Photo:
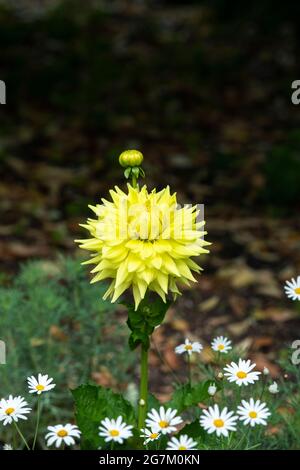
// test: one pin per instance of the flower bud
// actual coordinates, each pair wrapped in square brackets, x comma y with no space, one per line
[273,388]
[266,371]
[220,375]
[133,158]
[142,402]
[212,390]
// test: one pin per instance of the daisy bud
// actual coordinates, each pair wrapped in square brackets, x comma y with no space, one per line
[142,402]
[266,371]
[273,388]
[131,158]
[220,375]
[212,390]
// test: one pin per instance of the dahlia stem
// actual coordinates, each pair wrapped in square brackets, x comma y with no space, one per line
[133,180]
[143,388]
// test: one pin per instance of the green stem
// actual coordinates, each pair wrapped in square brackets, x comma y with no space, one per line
[189,369]
[143,388]
[133,180]
[263,389]
[39,407]
[21,435]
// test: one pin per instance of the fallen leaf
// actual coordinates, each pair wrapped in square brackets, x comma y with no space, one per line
[240,328]
[35,342]
[209,304]
[57,333]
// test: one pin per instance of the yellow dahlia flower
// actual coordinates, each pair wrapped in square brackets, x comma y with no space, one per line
[144,240]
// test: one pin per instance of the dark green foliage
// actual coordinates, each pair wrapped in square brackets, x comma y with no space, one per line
[94,404]
[142,322]
[186,396]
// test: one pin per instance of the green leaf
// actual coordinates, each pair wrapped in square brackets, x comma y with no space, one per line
[92,404]
[136,171]
[142,321]
[127,172]
[186,396]
[193,430]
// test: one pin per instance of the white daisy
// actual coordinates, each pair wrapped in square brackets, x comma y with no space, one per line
[253,412]
[220,422]
[149,435]
[273,388]
[7,447]
[40,385]
[241,373]
[189,347]
[183,443]
[62,434]
[115,430]
[292,288]
[164,421]
[13,409]
[221,344]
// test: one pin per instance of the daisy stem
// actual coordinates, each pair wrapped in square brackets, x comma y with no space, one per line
[190,370]
[143,388]
[39,407]
[263,388]
[21,435]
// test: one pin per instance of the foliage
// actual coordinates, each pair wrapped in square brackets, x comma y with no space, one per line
[94,404]
[142,321]
[52,321]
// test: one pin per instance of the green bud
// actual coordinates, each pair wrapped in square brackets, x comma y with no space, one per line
[131,158]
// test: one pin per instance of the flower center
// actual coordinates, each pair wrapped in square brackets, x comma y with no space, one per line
[221,347]
[163,424]
[297,290]
[114,433]
[219,423]
[9,411]
[188,347]
[253,414]
[182,448]
[241,374]
[154,435]
[40,388]
[62,433]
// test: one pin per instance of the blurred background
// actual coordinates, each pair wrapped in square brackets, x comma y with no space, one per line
[204,91]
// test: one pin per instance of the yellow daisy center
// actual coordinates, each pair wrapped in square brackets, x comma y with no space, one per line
[62,433]
[188,347]
[40,388]
[221,347]
[9,411]
[253,414]
[182,448]
[219,423]
[241,374]
[297,290]
[163,424]
[154,435]
[114,433]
